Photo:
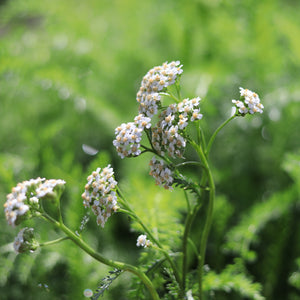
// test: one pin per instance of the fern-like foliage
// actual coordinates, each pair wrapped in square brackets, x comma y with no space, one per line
[241,237]
[187,185]
[105,283]
[232,279]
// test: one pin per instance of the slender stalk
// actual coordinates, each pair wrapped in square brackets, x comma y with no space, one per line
[187,163]
[189,220]
[216,132]
[201,137]
[119,265]
[209,215]
[54,241]
[187,201]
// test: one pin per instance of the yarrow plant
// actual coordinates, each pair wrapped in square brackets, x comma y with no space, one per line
[162,129]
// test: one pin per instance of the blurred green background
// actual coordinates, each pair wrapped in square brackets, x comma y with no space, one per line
[69,73]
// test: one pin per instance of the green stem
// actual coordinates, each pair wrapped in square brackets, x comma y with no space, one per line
[187,201]
[201,137]
[209,215]
[189,220]
[54,241]
[115,264]
[188,163]
[166,254]
[216,132]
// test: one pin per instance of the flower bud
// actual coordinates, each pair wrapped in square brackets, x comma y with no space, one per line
[25,241]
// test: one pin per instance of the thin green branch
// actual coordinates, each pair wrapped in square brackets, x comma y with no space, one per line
[187,201]
[189,163]
[216,132]
[209,215]
[189,220]
[49,243]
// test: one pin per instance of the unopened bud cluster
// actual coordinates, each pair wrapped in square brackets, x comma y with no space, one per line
[100,194]
[25,241]
[24,199]
[161,173]
[249,102]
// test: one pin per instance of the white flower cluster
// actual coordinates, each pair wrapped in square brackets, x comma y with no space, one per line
[100,194]
[161,173]
[142,241]
[25,241]
[249,102]
[167,136]
[154,82]
[25,197]
[128,136]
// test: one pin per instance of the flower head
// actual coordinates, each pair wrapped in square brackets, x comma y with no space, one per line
[100,194]
[249,102]
[142,241]
[161,173]
[25,241]
[24,198]
[129,136]
[168,135]
[155,81]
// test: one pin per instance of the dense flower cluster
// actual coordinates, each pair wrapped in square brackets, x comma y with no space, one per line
[161,173]
[25,197]
[154,82]
[167,136]
[128,136]
[249,102]
[142,241]
[25,241]
[100,194]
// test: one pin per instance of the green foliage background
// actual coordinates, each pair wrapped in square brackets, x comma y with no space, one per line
[69,72]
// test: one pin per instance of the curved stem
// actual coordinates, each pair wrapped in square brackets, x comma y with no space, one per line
[119,265]
[216,132]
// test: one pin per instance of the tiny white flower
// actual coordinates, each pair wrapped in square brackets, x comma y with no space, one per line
[142,241]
